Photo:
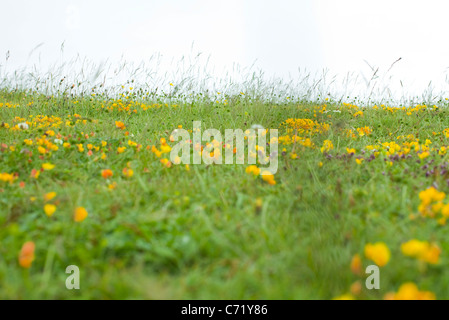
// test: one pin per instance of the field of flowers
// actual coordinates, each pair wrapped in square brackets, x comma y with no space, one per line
[88,181]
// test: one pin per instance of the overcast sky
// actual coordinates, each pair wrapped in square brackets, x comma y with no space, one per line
[281,36]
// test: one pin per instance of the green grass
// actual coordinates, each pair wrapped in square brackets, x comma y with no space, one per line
[215,232]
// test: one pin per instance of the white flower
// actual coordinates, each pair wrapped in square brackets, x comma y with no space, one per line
[59,141]
[23,126]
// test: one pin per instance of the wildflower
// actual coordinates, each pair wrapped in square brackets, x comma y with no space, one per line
[49,196]
[167,163]
[128,173]
[35,173]
[356,288]
[41,150]
[378,253]
[352,150]
[49,209]
[177,160]
[424,155]
[106,173]
[327,146]
[359,160]
[252,169]
[356,264]
[364,130]
[268,177]
[48,166]
[7,177]
[112,186]
[80,214]
[430,195]
[26,256]
[23,126]
[409,291]
[120,125]
[421,250]
[346,296]
[121,149]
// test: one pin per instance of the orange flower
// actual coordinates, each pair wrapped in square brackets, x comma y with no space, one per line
[26,256]
[120,125]
[268,177]
[356,264]
[35,173]
[49,196]
[80,214]
[106,173]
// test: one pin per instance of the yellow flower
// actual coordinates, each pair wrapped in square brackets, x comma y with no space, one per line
[112,186]
[431,195]
[121,149]
[48,166]
[49,209]
[378,253]
[409,291]
[421,250]
[414,248]
[359,161]
[7,177]
[128,173]
[252,169]
[80,214]
[424,155]
[327,146]
[346,296]
[352,150]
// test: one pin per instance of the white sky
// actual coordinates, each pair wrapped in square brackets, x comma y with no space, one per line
[281,35]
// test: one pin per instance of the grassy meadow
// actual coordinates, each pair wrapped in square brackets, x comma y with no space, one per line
[87,181]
